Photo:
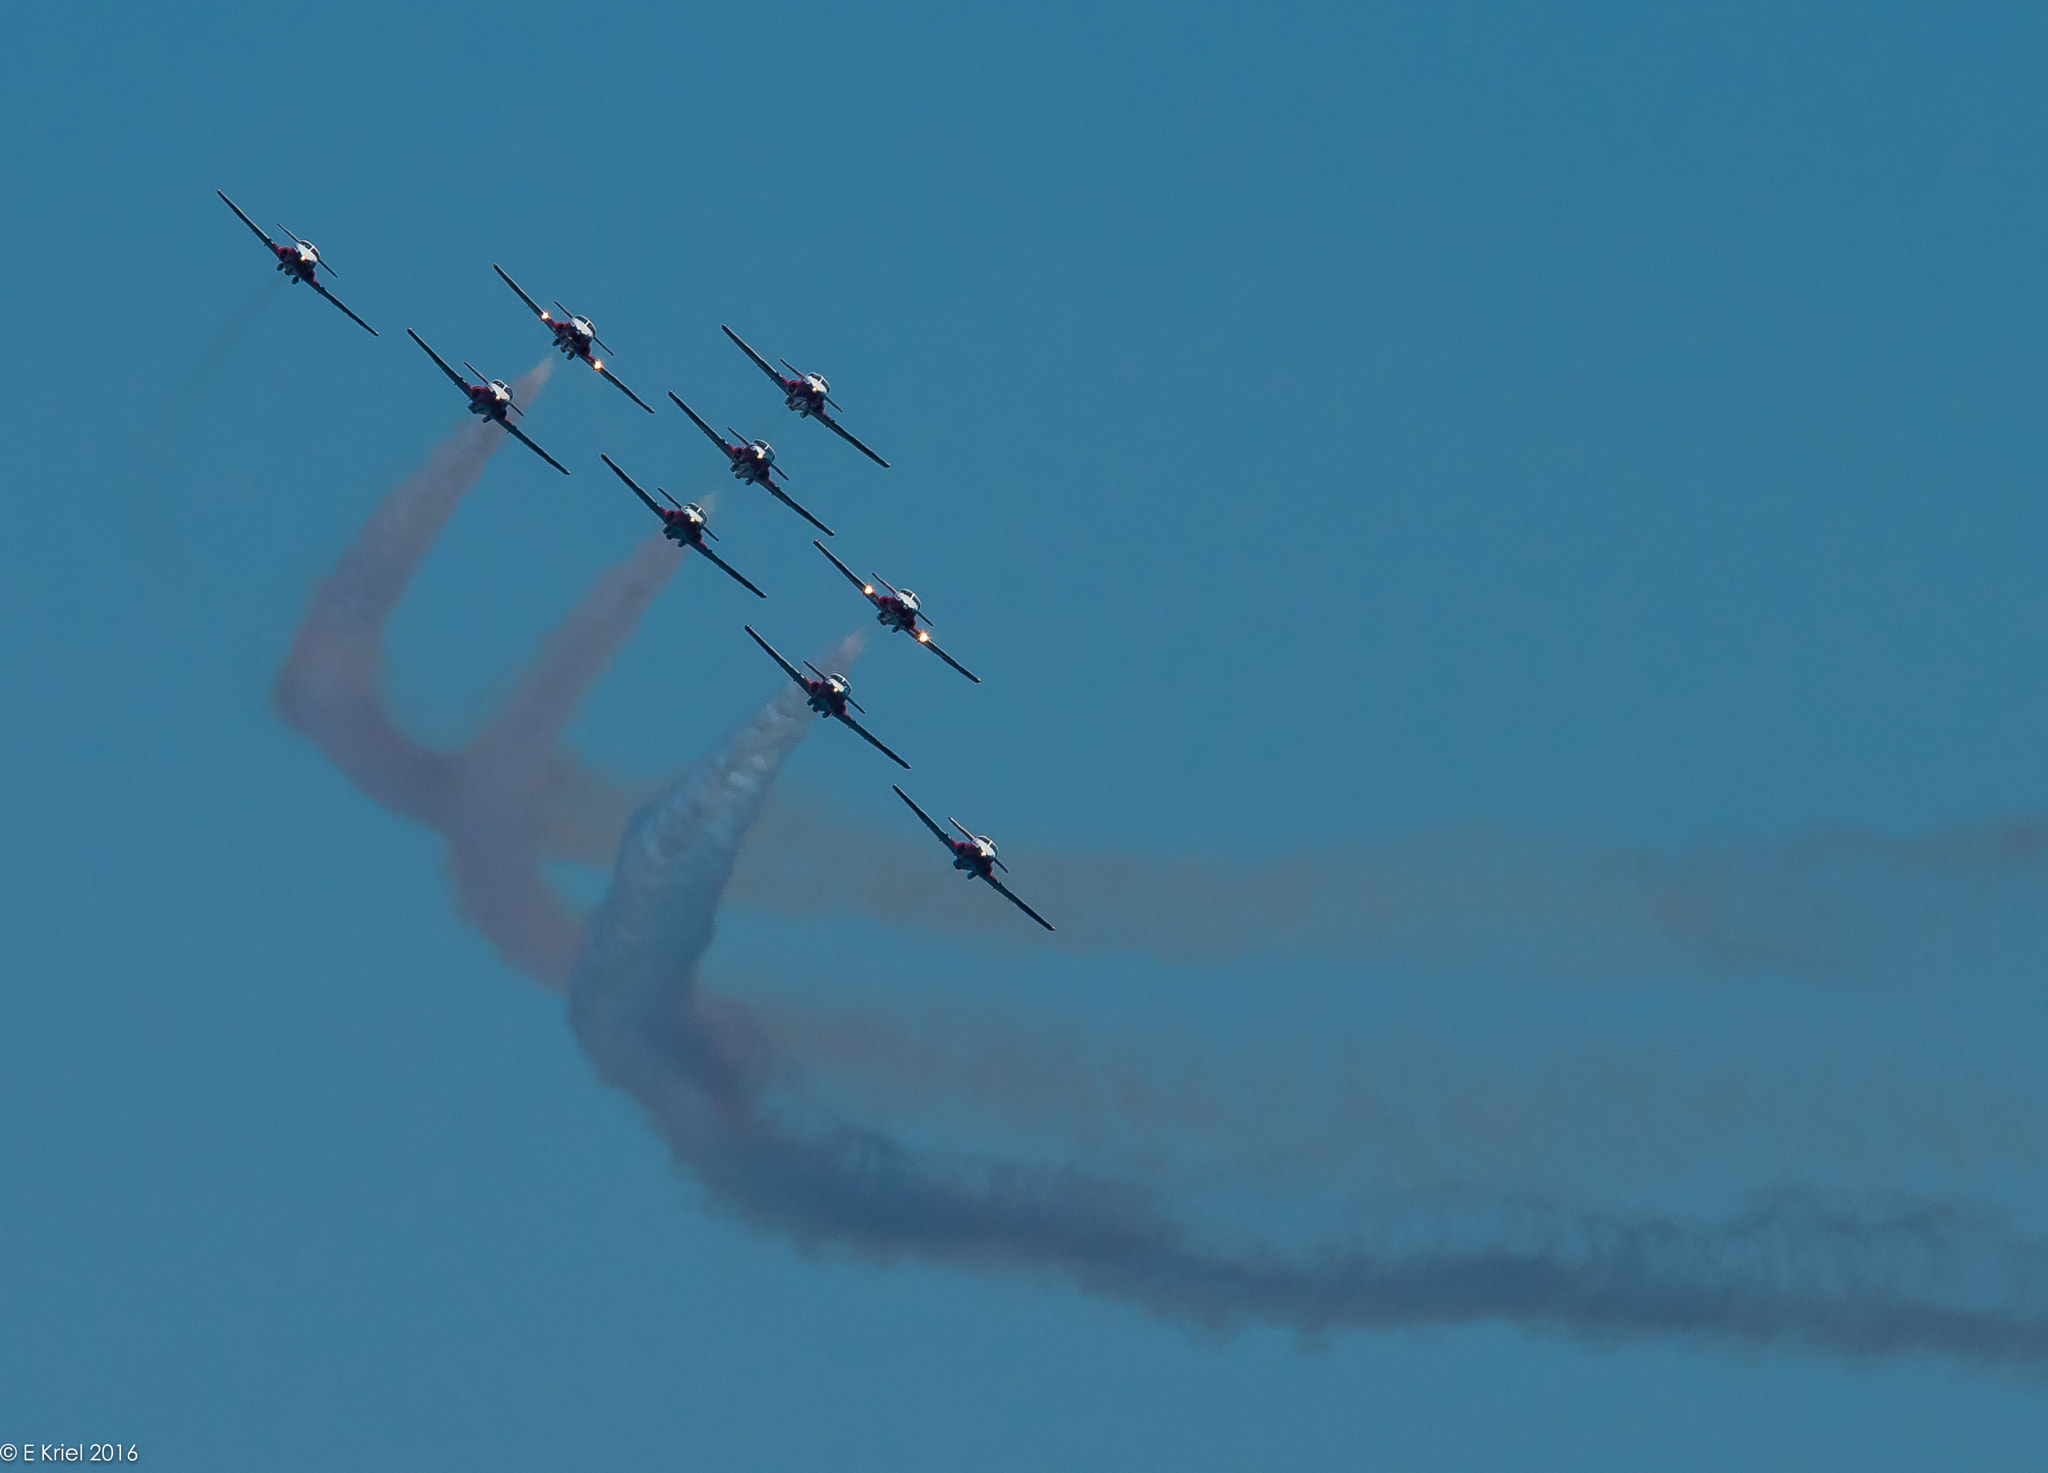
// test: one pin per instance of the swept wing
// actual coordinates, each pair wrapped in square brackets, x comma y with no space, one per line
[530,302]
[709,433]
[876,744]
[774,655]
[344,307]
[1010,895]
[759,362]
[851,576]
[652,504]
[940,834]
[782,496]
[247,221]
[514,429]
[926,640]
[840,430]
[453,377]
[731,571]
[606,373]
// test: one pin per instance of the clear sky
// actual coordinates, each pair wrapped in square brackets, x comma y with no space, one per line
[1561,488]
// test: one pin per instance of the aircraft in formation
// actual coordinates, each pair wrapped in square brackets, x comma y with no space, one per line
[976,855]
[492,398]
[574,336]
[300,261]
[898,609]
[687,525]
[752,461]
[828,695]
[807,394]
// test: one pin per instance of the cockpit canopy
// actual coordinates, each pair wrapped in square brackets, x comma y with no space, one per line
[818,383]
[909,599]
[767,450]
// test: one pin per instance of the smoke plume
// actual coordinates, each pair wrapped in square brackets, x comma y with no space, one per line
[1854,1277]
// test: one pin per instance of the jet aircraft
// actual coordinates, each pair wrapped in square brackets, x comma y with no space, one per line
[751,461]
[574,336]
[299,261]
[807,394]
[976,856]
[686,526]
[492,398]
[828,695]
[899,609]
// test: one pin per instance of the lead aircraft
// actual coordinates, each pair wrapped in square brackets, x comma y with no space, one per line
[492,398]
[686,526]
[807,394]
[975,854]
[828,695]
[574,336]
[298,261]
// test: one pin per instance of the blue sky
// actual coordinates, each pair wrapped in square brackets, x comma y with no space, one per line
[1340,433]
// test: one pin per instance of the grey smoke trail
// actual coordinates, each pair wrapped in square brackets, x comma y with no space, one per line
[1910,1276]
[1823,906]
[330,687]
[1337,1116]
[512,780]
[498,799]
[1852,1279]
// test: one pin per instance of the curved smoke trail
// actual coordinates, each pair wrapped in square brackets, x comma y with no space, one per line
[1910,1276]
[501,799]
[1847,1278]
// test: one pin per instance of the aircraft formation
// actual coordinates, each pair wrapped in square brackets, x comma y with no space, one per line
[752,462]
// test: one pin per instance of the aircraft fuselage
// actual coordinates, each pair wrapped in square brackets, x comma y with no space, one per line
[825,700]
[804,397]
[571,339]
[295,263]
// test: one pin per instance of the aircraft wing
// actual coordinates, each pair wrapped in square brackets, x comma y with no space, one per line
[715,438]
[1011,896]
[344,307]
[782,496]
[731,571]
[777,658]
[759,362]
[873,741]
[926,640]
[850,576]
[453,377]
[607,373]
[651,503]
[522,295]
[840,430]
[247,221]
[937,832]
[513,429]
